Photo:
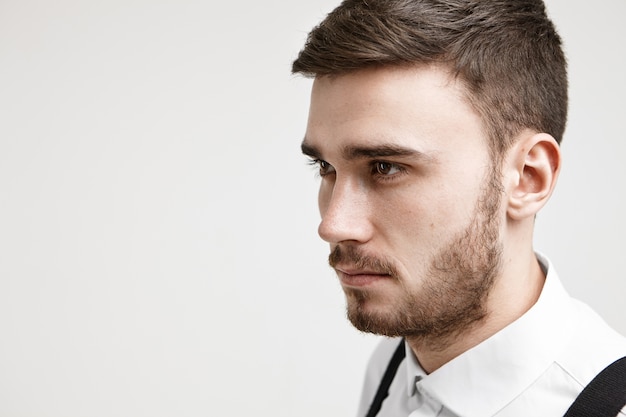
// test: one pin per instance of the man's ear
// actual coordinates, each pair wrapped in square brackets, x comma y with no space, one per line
[535,162]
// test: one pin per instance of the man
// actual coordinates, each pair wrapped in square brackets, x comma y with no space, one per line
[435,126]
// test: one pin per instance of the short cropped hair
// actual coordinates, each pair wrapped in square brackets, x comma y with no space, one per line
[507,54]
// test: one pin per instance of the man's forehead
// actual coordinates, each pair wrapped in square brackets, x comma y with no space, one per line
[441,74]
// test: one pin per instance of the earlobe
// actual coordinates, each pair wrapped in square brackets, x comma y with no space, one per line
[536,160]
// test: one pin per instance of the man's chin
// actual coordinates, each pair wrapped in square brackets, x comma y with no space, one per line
[368,316]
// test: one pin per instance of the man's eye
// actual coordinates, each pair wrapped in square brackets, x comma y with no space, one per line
[386,168]
[324,167]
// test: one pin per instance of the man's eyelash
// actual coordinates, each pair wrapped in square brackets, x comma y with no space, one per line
[375,167]
[318,165]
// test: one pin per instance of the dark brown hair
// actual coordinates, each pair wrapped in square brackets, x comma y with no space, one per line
[507,53]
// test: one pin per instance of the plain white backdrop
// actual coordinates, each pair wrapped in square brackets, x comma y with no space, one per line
[158,247]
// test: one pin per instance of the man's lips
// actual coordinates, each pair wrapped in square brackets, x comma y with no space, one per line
[359,278]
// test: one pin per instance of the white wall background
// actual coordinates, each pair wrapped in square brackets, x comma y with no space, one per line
[158,252]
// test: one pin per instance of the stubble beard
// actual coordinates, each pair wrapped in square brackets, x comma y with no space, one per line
[452,295]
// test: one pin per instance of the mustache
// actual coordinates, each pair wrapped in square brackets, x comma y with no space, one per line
[352,256]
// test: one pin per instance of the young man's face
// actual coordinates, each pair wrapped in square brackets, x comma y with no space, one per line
[409,198]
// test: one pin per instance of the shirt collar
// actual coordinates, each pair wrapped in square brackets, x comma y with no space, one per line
[414,373]
[486,378]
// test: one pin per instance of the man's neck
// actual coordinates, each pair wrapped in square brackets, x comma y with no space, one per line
[515,291]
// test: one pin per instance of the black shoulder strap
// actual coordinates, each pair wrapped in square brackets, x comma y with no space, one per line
[605,395]
[390,373]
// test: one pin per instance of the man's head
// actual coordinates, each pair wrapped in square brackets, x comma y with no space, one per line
[432,124]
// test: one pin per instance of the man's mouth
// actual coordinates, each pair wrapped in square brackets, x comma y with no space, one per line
[352,277]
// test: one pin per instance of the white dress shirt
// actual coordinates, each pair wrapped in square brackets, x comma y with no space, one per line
[535,367]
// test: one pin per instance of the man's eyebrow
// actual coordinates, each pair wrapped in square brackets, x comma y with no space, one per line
[382,151]
[369,152]
[310,150]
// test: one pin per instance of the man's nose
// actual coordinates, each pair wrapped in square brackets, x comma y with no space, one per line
[346,213]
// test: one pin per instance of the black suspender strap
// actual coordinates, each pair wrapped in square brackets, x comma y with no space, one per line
[390,373]
[605,395]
